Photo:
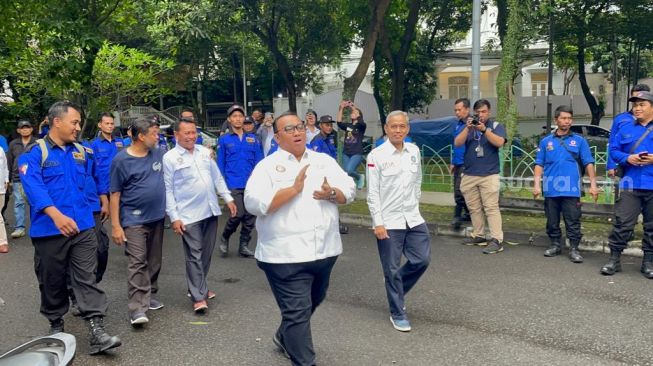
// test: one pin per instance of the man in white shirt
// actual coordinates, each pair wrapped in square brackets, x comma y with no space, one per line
[295,192]
[193,182]
[394,188]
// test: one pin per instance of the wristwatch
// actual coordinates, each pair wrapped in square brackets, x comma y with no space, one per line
[332,195]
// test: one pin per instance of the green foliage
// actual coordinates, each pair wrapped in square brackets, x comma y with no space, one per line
[414,35]
[124,76]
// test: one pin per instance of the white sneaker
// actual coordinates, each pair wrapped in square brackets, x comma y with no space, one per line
[19,232]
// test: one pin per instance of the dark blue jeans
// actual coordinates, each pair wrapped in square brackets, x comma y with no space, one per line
[299,288]
[415,244]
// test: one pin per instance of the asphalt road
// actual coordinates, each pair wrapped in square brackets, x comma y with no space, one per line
[512,308]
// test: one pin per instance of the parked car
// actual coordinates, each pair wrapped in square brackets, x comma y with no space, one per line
[595,135]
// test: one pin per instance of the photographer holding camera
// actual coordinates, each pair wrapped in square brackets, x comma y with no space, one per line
[480,181]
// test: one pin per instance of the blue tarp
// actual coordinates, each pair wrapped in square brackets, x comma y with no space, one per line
[435,133]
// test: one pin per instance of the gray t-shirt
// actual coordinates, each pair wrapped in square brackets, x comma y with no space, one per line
[141,187]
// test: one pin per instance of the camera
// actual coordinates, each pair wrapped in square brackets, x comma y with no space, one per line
[476,120]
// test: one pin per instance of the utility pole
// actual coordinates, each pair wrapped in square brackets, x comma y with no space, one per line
[476,50]
[244,82]
[549,93]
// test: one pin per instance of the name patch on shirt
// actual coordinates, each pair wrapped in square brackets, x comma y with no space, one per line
[49,163]
[251,140]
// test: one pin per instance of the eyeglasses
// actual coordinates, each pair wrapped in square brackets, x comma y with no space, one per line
[292,128]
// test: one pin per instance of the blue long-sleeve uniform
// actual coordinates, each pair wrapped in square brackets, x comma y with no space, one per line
[237,158]
[618,121]
[104,151]
[458,157]
[59,181]
[635,177]
[325,144]
[93,180]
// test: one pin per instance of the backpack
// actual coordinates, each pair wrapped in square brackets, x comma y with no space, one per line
[45,151]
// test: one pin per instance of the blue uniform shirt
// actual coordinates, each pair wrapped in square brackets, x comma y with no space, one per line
[458,158]
[105,151]
[237,158]
[562,176]
[635,177]
[618,121]
[324,144]
[60,182]
[3,144]
[126,142]
[92,179]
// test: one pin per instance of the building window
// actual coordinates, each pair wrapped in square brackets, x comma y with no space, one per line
[539,84]
[458,87]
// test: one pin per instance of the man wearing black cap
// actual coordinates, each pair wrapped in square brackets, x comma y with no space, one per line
[632,149]
[238,153]
[16,149]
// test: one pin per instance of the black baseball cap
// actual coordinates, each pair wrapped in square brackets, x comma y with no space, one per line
[326,119]
[24,123]
[248,119]
[234,108]
[642,95]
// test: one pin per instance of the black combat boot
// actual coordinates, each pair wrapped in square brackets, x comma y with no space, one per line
[224,247]
[56,326]
[614,264]
[244,251]
[100,341]
[574,254]
[647,266]
[554,249]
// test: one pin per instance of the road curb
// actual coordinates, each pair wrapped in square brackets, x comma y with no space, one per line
[539,239]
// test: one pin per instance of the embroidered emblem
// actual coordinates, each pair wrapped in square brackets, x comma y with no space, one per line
[280,168]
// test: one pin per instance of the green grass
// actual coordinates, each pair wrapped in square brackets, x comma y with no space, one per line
[516,221]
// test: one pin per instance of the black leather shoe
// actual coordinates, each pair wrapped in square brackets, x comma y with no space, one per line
[56,326]
[552,251]
[223,247]
[613,266]
[574,256]
[244,251]
[647,270]
[101,341]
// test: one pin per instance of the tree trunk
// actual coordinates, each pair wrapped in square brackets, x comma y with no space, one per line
[512,46]
[87,87]
[397,59]
[591,101]
[376,86]
[351,84]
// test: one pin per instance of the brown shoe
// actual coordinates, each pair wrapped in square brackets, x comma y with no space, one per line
[200,306]
[211,295]
[4,248]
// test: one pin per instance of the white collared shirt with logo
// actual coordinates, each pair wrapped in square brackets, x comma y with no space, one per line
[394,182]
[193,182]
[303,229]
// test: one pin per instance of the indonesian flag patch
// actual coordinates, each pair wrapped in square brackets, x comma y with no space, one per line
[370,165]
[23,169]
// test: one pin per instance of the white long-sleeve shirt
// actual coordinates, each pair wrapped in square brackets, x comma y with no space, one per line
[394,182]
[4,172]
[303,229]
[193,182]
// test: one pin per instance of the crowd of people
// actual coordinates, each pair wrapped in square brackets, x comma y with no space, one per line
[281,177]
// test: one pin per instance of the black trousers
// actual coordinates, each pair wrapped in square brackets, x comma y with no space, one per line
[299,288]
[57,258]
[570,208]
[627,208]
[244,218]
[461,207]
[102,247]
